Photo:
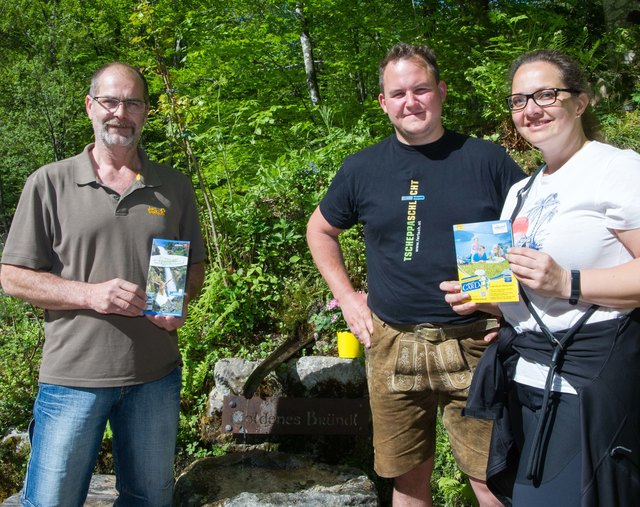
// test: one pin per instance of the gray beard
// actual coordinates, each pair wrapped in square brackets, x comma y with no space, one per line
[118,140]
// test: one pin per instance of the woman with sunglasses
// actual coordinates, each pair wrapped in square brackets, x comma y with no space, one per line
[569,351]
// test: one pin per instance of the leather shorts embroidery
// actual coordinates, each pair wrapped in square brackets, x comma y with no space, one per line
[436,366]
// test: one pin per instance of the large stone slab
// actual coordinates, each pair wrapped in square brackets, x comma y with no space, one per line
[102,493]
[271,479]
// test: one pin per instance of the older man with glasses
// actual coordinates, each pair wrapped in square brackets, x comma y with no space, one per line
[79,247]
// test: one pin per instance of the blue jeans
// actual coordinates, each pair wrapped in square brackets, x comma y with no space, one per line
[66,434]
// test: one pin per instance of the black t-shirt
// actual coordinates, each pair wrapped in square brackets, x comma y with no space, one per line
[408,198]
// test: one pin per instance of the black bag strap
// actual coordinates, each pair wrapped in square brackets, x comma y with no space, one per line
[521,195]
[534,464]
[524,190]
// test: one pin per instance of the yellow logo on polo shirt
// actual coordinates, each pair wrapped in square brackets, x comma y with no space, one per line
[157,211]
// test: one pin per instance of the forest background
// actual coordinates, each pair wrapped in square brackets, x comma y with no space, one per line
[258,101]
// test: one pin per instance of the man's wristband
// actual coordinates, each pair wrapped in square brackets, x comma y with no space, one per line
[575,287]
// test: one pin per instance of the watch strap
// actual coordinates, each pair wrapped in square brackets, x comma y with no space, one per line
[575,287]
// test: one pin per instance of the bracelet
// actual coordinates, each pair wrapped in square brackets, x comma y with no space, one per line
[575,287]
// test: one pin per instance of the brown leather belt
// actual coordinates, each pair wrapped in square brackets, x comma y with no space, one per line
[438,333]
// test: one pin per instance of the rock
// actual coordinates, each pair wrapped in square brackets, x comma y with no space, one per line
[14,452]
[311,376]
[229,376]
[271,479]
[18,441]
[325,377]
[102,493]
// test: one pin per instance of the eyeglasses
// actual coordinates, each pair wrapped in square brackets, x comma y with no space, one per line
[543,98]
[111,104]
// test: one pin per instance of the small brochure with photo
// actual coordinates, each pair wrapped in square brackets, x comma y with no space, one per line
[167,277]
[483,270]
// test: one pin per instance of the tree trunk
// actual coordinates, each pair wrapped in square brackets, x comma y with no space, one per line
[307,54]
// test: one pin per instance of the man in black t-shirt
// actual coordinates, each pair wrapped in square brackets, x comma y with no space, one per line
[408,191]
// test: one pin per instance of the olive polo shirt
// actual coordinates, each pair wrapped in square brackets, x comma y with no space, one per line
[69,224]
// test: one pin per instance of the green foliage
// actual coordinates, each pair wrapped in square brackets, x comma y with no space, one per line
[449,486]
[622,129]
[265,290]
[328,320]
[21,338]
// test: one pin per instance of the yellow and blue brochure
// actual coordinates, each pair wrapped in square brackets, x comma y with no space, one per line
[483,270]
[167,278]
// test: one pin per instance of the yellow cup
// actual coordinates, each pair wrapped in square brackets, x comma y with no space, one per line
[348,345]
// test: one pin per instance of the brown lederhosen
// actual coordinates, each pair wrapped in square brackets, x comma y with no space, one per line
[412,370]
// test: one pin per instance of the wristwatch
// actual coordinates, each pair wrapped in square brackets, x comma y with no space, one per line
[575,287]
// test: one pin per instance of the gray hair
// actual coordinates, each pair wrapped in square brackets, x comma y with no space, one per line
[133,70]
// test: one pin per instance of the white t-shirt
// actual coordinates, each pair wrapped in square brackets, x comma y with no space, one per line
[571,215]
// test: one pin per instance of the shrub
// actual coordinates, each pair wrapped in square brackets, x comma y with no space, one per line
[21,336]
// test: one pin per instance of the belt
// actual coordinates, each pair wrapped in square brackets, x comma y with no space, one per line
[435,332]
